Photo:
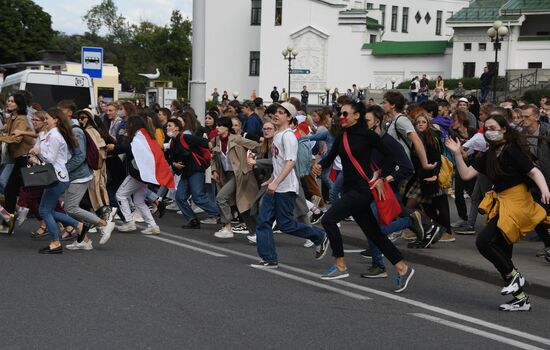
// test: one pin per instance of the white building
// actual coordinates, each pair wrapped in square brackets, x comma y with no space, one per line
[341,43]
[527,45]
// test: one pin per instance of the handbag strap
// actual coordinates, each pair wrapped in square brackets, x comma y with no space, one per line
[353,160]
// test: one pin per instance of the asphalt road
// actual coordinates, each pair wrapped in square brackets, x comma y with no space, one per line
[189,290]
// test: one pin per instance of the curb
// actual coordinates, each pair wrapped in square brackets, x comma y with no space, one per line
[533,288]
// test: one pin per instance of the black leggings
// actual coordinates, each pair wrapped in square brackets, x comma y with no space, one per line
[460,202]
[356,202]
[493,246]
[14,183]
[438,210]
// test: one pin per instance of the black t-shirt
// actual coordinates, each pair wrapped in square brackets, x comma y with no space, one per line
[514,163]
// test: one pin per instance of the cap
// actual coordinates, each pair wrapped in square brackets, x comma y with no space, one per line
[87,111]
[249,104]
[289,108]
[463,99]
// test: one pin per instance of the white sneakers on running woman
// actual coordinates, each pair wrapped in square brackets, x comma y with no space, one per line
[224,233]
[151,230]
[80,246]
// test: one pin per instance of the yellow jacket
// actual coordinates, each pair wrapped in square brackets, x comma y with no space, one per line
[518,213]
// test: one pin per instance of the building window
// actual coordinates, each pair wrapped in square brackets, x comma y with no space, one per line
[492,67]
[534,65]
[405,18]
[256,13]
[427,18]
[438,21]
[482,47]
[372,39]
[278,12]
[370,5]
[394,10]
[254,63]
[467,46]
[383,14]
[469,70]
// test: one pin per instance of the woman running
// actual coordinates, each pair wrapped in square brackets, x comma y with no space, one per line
[510,208]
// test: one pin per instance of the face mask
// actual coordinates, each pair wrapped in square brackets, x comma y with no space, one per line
[493,135]
[170,134]
[119,114]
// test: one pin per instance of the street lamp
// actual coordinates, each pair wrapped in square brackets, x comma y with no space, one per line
[497,32]
[393,83]
[235,94]
[289,53]
[327,89]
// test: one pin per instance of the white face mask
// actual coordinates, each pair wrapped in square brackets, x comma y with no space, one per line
[494,135]
[170,134]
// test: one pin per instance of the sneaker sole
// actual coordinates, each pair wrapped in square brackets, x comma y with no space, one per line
[382,275]
[447,240]
[522,308]
[402,289]
[328,278]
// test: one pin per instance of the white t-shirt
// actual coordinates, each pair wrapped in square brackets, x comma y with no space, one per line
[402,125]
[285,148]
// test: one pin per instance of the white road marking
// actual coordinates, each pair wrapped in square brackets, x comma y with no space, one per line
[179,244]
[476,331]
[353,250]
[317,284]
[395,297]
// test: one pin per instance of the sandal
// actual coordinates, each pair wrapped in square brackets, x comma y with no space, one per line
[40,232]
[69,234]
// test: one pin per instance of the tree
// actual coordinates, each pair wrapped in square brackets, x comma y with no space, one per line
[26,29]
[105,15]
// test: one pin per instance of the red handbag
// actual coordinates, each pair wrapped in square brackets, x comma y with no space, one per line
[389,208]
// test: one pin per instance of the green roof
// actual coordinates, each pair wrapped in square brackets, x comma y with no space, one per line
[524,6]
[399,48]
[484,11]
[373,24]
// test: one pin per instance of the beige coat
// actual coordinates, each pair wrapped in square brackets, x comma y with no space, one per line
[17,145]
[246,184]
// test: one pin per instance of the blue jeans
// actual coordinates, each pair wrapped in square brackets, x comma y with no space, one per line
[401,223]
[194,187]
[337,186]
[280,207]
[325,177]
[48,202]
[484,93]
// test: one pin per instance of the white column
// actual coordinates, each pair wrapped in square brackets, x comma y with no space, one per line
[198,83]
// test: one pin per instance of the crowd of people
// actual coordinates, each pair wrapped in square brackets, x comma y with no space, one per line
[255,169]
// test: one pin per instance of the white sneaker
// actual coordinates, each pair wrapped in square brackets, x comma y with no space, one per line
[251,239]
[223,233]
[308,244]
[137,217]
[80,246]
[22,213]
[172,206]
[93,230]
[151,230]
[197,210]
[339,224]
[459,223]
[179,212]
[210,221]
[127,227]
[106,232]
[112,214]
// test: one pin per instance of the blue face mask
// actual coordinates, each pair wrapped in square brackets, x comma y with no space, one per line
[119,114]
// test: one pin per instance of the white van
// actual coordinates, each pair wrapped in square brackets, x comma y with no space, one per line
[48,87]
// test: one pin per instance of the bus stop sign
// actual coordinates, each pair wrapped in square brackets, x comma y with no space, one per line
[92,61]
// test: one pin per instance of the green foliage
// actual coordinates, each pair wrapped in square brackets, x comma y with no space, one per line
[210,104]
[25,28]
[534,95]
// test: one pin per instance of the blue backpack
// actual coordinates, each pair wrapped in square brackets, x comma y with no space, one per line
[304,158]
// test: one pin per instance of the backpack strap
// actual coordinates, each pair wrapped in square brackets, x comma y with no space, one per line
[398,133]
[352,158]
[186,146]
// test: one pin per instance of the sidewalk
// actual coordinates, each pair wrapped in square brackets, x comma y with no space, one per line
[461,257]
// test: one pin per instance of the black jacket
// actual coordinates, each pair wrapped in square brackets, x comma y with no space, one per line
[178,154]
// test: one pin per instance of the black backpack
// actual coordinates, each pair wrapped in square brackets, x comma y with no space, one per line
[413,85]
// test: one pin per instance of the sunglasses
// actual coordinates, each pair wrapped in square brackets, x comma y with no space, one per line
[82,118]
[343,114]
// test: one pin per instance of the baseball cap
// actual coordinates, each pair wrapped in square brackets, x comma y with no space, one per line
[289,108]
[463,99]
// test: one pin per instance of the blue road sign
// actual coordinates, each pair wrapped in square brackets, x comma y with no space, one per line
[300,71]
[92,61]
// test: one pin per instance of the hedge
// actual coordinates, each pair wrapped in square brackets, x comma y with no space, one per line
[534,95]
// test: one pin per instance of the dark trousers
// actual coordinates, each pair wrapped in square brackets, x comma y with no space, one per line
[493,246]
[14,183]
[438,210]
[356,202]
[115,176]
[460,202]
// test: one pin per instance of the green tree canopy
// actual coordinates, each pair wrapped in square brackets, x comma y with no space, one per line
[26,29]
